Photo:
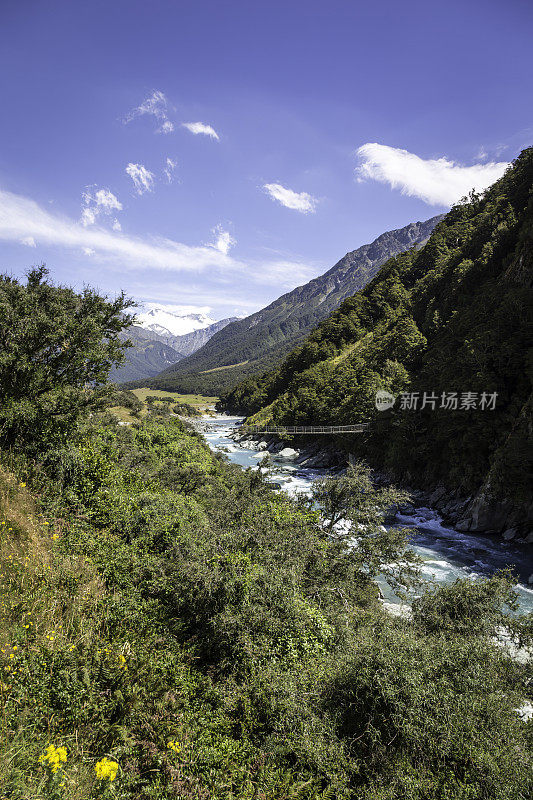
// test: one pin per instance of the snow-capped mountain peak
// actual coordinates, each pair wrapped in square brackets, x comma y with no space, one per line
[164,322]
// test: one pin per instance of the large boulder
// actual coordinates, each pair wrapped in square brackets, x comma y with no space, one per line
[288,453]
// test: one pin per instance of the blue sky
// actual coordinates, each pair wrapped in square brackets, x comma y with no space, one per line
[216,153]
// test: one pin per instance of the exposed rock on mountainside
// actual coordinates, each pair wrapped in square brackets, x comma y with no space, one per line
[446,328]
[191,342]
[148,356]
[156,347]
[253,344]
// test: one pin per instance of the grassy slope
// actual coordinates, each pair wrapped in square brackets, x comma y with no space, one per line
[197,400]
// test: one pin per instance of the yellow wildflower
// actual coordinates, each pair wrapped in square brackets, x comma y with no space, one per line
[174,745]
[55,536]
[106,769]
[52,757]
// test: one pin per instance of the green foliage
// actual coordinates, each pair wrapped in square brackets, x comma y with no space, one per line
[57,348]
[217,640]
[453,316]
[466,607]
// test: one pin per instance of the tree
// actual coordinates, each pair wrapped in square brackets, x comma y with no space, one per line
[353,512]
[56,350]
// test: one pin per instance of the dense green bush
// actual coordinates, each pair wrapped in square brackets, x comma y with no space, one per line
[452,316]
[57,349]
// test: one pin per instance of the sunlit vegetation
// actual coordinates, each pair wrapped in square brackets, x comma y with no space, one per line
[454,316]
[170,627]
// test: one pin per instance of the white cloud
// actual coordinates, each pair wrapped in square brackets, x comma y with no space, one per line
[116,225]
[96,203]
[201,127]
[298,201]
[155,105]
[169,169]
[166,127]
[29,241]
[286,274]
[224,240]
[142,178]
[180,310]
[22,218]
[436,181]
[88,216]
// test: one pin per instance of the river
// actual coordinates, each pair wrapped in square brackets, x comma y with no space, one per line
[446,554]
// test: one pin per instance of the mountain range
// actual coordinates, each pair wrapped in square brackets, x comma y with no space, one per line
[447,330]
[254,344]
[161,338]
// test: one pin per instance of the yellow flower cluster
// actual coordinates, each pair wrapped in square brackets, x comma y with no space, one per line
[174,745]
[53,757]
[106,769]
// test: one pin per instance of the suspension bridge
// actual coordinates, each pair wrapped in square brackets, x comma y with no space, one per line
[304,429]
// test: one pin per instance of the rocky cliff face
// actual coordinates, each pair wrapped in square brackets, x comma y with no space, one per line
[189,343]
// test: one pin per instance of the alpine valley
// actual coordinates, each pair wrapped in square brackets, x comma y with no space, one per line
[446,326]
[248,346]
[162,338]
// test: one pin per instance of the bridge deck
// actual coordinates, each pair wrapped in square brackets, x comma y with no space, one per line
[303,429]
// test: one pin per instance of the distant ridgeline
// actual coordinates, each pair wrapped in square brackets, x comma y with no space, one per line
[154,350]
[454,316]
[258,342]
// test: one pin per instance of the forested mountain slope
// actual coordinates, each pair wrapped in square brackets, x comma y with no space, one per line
[257,342]
[454,316]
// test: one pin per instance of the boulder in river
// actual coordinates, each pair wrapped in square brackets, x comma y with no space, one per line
[288,452]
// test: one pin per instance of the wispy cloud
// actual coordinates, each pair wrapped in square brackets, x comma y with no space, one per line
[170,166]
[230,280]
[155,105]
[201,127]
[96,203]
[224,241]
[142,178]
[298,201]
[23,219]
[436,181]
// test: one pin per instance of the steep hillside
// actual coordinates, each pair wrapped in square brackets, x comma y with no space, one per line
[455,316]
[148,356]
[189,343]
[256,343]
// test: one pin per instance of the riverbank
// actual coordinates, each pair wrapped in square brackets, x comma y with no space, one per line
[476,514]
[446,553]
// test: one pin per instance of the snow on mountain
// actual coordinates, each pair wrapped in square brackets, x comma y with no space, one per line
[164,322]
